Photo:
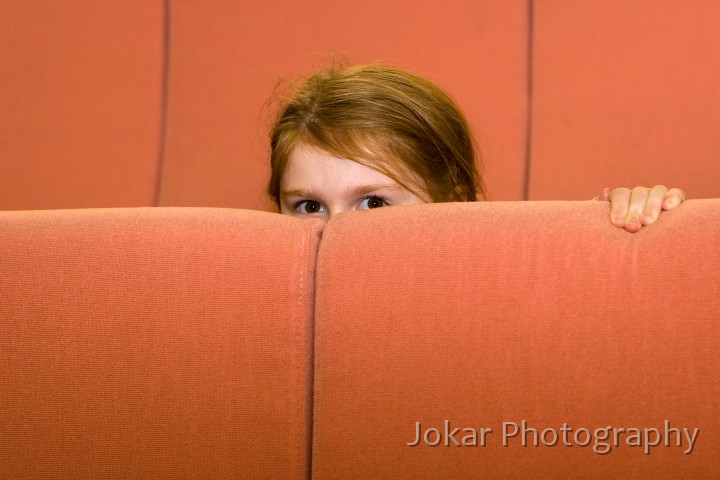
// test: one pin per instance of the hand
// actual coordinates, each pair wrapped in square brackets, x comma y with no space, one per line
[633,209]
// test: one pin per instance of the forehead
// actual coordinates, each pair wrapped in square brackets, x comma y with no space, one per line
[309,168]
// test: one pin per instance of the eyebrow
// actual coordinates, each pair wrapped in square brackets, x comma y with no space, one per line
[300,192]
[356,192]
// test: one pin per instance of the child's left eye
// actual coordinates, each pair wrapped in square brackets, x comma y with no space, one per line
[372,202]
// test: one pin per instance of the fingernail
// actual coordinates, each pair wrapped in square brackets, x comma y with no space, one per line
[632,226]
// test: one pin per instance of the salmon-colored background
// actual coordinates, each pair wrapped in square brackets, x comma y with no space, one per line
[625,93]
[168,102]
[80,103]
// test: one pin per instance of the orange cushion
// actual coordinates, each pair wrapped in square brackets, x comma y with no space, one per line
[155,343]
[491,313]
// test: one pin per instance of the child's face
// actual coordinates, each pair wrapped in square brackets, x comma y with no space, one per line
[316,184]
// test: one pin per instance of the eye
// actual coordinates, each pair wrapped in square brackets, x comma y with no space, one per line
[372,202]
[309,207]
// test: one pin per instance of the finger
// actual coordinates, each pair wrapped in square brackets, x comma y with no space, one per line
[638,199]
[654,204]
[605,195]
[619,201]
[673,198]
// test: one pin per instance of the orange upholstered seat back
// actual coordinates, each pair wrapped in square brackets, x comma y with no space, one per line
[155,343]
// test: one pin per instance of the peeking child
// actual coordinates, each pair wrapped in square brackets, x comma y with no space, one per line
[372,136]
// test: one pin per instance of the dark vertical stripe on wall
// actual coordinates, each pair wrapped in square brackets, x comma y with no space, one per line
[528,127]
[163,101]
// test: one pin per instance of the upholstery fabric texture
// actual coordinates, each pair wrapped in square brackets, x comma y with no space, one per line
[491,313]
[155,343]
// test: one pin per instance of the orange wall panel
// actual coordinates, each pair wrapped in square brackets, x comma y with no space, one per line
[227,57]
[625,93]
[80,103]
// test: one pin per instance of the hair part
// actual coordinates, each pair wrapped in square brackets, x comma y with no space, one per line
[387,119]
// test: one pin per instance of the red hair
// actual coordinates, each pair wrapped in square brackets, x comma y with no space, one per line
[387,119]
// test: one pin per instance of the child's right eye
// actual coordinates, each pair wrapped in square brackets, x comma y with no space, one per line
[309,207]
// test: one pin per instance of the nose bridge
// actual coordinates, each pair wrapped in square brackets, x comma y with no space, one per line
[336,210]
